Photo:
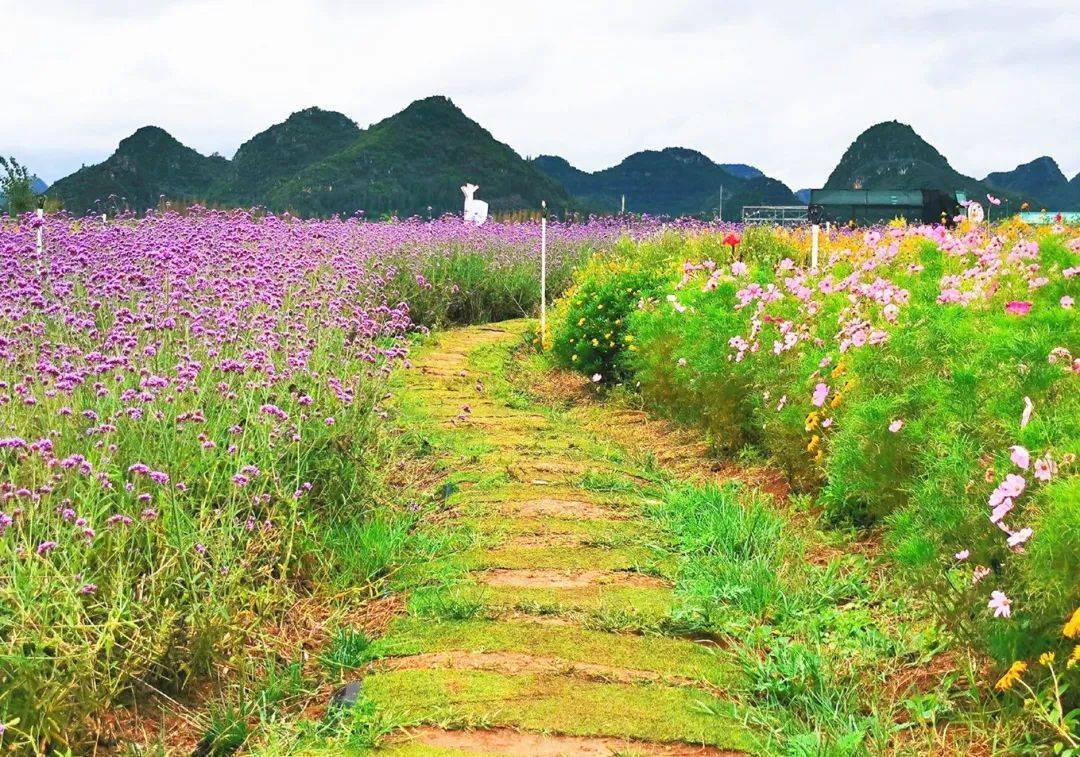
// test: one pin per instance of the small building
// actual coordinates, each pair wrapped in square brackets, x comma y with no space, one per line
[865,207]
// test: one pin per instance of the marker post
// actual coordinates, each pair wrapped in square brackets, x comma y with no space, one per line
[543,271]
[41,226]
[814,231]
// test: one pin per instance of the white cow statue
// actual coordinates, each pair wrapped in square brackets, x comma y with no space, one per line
[475,210]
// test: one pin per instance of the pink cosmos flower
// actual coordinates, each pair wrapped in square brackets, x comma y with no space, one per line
[597,378]
[1000,511]
[993,200]
[1018,307]
[1020,537]
[821,391]
[1066,301]
[1020,456]
[980,572]
[962,555]
[1000,604]
[896,426]
[1045,467]
[738,268]
[1013,485]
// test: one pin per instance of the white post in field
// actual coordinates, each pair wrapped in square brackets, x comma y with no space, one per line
[103,217]
[543,271]
[40,240]
[814,230]
[721,203]
[622,211]
[828,229]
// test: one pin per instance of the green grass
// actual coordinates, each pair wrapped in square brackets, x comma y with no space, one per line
[551,703]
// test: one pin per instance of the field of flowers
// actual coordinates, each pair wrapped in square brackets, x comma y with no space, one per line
[923,382]
[189,404]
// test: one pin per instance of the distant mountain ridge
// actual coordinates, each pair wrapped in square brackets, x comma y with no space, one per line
[673,181]
[319,162]
[1040,183]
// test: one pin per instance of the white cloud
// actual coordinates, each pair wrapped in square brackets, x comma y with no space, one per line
[785,86]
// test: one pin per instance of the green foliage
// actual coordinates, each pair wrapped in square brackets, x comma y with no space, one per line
[347,651]
[465,287]
[733,546]
[589,328]
[915,431]
[16,187]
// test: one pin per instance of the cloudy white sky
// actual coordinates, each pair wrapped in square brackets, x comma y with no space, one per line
[785,86]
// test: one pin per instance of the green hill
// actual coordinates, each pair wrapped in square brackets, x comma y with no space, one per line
[146,166]
[418,158]
[891,155]
[673,181]
[1040,183]
[274,155]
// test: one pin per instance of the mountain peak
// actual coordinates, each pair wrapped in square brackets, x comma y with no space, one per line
[144,137]
[892,155]
[435,106]
[1039,182]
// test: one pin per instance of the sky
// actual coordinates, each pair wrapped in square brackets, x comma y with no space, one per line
[784,86]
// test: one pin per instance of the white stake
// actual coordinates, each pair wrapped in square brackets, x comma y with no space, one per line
[40,240]
[543,271]
[814,230]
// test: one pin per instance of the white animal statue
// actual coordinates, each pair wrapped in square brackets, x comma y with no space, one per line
[475,210]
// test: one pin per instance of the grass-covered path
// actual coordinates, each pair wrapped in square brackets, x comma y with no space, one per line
[551,631]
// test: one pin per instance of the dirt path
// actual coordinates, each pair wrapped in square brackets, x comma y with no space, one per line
[546,633]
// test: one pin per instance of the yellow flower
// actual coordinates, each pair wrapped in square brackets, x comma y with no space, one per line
[1012,675]
[600,306]
[1046,659]
[633,348]
[581,322]
[1072,628]
[815,440]
[595,342]
[835,403]
[629,338]
[1074,658]
[573,358]
[811,421]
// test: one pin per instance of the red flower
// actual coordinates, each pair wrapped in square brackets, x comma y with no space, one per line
[732,239]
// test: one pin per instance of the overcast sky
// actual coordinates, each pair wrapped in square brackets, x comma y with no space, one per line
[785,86]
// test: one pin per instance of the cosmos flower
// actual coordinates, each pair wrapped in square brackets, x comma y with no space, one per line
[1000,604]
[1020,456]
